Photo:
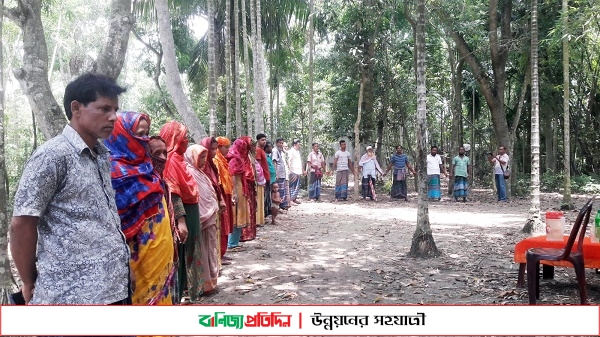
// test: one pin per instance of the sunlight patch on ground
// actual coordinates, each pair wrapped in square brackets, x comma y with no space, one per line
[437,214]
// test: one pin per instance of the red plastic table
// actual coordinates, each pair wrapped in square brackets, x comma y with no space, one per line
[591,255]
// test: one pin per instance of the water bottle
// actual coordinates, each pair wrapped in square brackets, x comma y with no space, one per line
[596,230]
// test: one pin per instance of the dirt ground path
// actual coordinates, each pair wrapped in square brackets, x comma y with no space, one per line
[355,252]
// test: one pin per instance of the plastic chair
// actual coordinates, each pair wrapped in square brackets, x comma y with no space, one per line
[535,255]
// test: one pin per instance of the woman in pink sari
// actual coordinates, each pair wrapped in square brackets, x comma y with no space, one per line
[196,158]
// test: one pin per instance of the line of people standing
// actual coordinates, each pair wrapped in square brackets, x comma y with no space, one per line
[107,214]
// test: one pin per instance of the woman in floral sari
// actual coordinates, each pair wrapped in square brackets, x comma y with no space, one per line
[142,208]
[196,158]
[184,195]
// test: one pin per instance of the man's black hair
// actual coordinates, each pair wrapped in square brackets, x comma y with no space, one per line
[89,87]
[434,147]
[279,140]
[342,141]
[260,136]
[295,142]
[313,144]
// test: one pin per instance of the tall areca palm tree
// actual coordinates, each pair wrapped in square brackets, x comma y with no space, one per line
[229,74]
[567,203]
[238,95]
[212,76]
[260,72]
[423,244]
[534,211]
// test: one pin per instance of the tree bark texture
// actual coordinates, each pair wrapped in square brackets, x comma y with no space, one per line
[534,212]
[237,62]
[228,66]
[112,56]
[248,42]
[5,270]
[212,71]
[567,120]
[423,245]
[260,82]
[311,70]
[357,177]
[457,131]
[174,84]
[33,74]
[255,69]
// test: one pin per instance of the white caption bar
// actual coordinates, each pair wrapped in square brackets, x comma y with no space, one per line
[319,320]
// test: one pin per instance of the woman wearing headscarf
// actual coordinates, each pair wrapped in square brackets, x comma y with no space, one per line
[196,157]
[142,208]
[185,197]
[157,148]
[222,164]
[370,167]
[241,169]
[212,172]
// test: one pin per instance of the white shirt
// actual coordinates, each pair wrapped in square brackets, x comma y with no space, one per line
[497,169]
[343,158]
[369,169]
[433,164]
[295,161]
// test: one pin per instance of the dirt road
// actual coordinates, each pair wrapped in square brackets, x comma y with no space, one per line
[355,252]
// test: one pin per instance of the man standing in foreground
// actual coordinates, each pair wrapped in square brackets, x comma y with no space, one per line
[65,207]
[500,167]
[342,165]
[435,167]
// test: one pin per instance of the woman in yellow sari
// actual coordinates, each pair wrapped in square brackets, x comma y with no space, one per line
[196,157]
[142,208]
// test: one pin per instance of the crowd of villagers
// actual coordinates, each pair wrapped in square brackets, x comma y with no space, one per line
[183,206]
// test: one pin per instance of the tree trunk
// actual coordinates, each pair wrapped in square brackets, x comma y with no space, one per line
[311,70]
[493,88]
[33,75]
[5,270]
[513,130]
[534,225]
[259,73]
[212,71]
[567,202]
[239,130]
[255,70]
[174,85]
[423,245]
[357,134]
[249,41]
[456,142]
[549,126]
[229,74]
[277,112]
[112,56]
[157,71]
[272,85]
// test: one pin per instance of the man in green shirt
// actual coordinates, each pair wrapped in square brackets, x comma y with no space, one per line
[461,169]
